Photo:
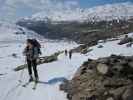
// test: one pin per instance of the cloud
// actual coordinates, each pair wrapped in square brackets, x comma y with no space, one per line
[13,9]
[73,3]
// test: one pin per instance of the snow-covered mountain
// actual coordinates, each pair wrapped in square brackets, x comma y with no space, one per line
[10,32]
[11,88]
[104,12]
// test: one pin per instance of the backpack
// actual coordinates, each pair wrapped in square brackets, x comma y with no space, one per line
[38,45]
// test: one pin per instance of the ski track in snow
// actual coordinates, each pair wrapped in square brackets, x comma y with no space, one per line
[51,74]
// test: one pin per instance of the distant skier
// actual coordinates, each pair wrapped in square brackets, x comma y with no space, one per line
[70,54]
[66,52]
[32,52]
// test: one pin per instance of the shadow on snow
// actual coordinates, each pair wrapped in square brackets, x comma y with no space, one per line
[54,81]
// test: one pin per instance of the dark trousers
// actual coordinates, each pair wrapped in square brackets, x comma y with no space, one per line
[32,64]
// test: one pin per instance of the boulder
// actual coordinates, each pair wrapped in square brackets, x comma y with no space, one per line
[109,78]
[100,46]
[126,40]
[102,68]
[14,55]
[128,94]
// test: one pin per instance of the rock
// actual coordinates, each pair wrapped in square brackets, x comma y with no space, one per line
[81,49]
[117,92]
[128,94]
[110,98]
[125,40]
[102,68]
[130,64]
[129,45]
[103,60]
[14,55]
[2,74]
[85,51]
[100,46]
[63,86]
[109,78]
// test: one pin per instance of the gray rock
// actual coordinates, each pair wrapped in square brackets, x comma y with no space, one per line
[100,46]
[109,78]
[128,94]
[125,40]
[102,68]
[110,98]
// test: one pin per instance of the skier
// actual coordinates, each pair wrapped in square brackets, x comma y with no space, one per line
[32,52]
[70,54]
[66,52]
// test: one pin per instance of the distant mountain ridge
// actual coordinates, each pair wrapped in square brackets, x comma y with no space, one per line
[83,26]
[108,12]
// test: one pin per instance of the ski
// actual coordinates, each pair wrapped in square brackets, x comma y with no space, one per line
[26,84]
[34,85]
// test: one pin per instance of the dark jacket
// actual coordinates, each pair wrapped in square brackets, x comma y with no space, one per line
[31,54]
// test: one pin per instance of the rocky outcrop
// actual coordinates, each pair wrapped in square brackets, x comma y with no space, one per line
[83,49]
[125,40]
[109,78]
[41,60]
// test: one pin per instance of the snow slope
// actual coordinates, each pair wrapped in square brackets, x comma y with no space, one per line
[105,12]
[12,33]
[7,33]
[111,47]
[50,74]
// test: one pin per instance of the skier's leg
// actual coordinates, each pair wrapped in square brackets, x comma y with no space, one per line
[35,69]
[30,70]
[70,56]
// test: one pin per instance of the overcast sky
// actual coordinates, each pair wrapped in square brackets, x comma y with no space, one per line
[15,9]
